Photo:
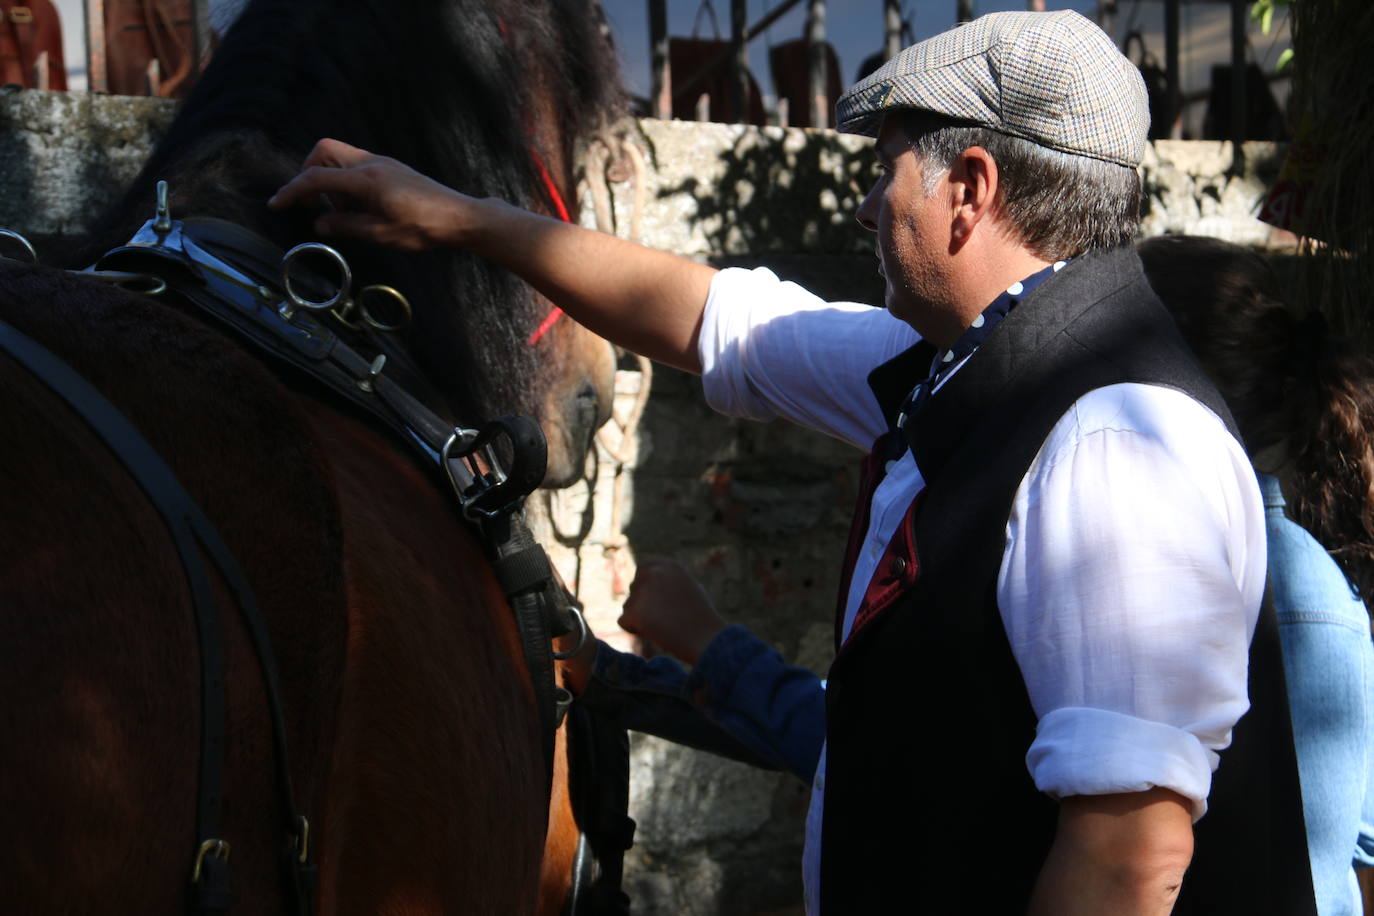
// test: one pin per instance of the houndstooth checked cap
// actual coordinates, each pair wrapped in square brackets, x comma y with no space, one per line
[1055,79]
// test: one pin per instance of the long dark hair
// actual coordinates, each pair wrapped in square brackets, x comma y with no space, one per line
[479,94]
[1302,397]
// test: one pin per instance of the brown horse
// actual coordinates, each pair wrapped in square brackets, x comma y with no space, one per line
[410,717]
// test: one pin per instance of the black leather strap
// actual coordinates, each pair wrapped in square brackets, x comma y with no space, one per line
[192,533]
[510,542]
[599,788]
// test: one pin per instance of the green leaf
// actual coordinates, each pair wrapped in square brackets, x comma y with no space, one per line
[1285,59]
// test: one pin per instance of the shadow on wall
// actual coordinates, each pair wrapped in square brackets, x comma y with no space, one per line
[759,512]
[799,194]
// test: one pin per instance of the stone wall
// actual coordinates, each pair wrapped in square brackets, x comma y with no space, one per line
[760,511]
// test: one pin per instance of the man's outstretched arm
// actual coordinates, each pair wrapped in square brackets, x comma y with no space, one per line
[645,300]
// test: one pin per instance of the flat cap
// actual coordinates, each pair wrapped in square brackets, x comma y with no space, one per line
[1055,79]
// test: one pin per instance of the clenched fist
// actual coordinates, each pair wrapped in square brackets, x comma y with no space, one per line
[668,607]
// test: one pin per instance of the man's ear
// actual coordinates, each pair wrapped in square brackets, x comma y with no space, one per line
[975,174]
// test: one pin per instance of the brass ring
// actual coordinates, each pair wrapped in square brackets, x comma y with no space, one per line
[379,289]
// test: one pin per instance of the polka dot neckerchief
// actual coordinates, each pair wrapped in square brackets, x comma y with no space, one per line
[946,360]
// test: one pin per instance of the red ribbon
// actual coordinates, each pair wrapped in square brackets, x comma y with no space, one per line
[552,317]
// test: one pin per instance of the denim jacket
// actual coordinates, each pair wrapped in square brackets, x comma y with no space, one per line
[1328,662]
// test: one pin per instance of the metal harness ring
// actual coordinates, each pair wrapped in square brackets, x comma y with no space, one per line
[581,635]
[298,301]
[378,289]
[11,234]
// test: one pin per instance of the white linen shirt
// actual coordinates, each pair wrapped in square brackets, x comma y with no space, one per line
[1134,562]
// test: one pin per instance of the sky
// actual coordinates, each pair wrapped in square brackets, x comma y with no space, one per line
[855,29]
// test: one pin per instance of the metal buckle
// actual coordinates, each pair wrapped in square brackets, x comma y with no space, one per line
[303,841]
[21,15]
[483,487]
[217,848]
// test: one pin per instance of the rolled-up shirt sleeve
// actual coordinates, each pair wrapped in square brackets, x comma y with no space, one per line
[772,350]
[1130,588]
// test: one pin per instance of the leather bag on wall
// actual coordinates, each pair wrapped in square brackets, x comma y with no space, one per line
[139,33]
[30,31]
[791,63]
[687,60]
[687,57]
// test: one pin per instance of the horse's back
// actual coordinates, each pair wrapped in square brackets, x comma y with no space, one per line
[102,666]
[394,666]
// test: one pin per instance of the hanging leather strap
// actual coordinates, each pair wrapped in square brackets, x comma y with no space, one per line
[170,50]
[194,537]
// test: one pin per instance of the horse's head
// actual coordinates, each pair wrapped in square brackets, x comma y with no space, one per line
[492,97]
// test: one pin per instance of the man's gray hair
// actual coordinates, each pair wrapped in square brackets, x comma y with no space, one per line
[1060,204]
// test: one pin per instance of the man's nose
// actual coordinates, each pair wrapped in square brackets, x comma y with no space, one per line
[868,211]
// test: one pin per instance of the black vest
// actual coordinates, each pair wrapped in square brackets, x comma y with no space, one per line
[929,807]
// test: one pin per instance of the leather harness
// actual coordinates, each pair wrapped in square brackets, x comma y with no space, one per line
[227,272]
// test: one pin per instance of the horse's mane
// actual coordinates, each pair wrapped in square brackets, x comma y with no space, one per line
[450,87]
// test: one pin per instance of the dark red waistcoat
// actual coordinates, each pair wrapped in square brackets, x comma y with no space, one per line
[929,807]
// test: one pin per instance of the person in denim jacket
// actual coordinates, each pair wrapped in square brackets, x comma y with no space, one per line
[740,699]
[1305,406]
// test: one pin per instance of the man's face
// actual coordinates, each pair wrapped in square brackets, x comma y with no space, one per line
[913,235]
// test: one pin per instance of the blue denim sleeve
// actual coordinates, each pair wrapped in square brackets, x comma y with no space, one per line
[741,701]
[774,708]
[650,696]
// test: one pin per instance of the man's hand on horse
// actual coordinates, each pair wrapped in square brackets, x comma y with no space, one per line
[374,198]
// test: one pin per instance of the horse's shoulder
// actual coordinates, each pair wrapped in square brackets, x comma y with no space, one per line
[233,434]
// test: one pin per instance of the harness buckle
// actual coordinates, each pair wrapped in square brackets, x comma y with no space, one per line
[218,849]
[478,489]
[483,484]
[303,840]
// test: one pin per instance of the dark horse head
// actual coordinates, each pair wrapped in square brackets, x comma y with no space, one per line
[487,96]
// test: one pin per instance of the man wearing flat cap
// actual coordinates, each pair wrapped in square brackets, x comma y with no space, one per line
[1051,623]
